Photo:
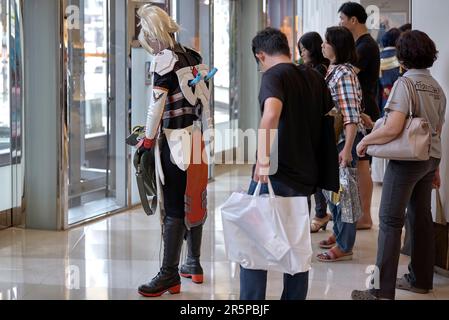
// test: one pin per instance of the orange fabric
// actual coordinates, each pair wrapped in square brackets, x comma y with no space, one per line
[197,177]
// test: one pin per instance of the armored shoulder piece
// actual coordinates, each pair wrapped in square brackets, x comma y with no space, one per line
[164,62]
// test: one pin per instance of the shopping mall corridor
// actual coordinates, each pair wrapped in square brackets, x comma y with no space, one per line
[109,258]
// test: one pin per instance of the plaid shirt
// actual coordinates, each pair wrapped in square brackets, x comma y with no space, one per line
[346,92]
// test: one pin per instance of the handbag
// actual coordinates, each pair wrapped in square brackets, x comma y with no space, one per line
[267,232]
[338,123]
[413,144]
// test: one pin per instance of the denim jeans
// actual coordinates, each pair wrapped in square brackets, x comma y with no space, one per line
[253,283]
[345,233]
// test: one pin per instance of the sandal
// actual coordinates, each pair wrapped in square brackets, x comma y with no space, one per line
[329,243]
[332,256]
[317,224]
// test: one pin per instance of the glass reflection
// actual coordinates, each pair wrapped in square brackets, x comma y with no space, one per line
[5,121]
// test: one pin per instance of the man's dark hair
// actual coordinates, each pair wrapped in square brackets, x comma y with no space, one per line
[406,27]
[415,50]
[390,38]
[354,9]
[271,41]
[341,39]
[312,42]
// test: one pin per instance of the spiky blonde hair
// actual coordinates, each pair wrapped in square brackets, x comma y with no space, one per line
[156,25]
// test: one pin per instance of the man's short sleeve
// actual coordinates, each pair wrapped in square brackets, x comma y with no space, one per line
[271,88]
[399,99]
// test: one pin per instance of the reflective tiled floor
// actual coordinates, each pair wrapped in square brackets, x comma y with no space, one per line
[110,258]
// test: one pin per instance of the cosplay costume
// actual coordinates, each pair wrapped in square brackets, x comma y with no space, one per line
[178,127]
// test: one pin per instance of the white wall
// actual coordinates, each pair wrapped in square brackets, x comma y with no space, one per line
[430,16]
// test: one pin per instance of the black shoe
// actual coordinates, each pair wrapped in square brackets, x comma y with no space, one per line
[160,284]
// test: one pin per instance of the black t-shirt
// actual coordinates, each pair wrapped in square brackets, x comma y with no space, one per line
[305,99]
[368,54]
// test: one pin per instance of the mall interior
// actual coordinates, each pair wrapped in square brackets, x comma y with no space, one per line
[75,81]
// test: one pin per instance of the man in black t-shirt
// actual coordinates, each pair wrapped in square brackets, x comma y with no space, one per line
[353,16]
[294,100]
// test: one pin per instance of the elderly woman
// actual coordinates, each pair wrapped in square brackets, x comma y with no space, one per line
[408,184]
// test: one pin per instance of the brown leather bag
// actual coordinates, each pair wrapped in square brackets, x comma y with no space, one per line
[413,144]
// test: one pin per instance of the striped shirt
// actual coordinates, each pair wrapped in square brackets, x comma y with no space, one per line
[346,93]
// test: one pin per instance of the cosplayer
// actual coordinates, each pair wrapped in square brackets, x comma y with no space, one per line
[178,119]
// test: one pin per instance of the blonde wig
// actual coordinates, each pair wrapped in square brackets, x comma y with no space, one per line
[157,28]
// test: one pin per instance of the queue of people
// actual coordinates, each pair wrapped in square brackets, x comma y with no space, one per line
[355,71]
[339,77]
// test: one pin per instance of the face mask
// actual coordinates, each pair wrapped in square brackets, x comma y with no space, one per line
[153,46]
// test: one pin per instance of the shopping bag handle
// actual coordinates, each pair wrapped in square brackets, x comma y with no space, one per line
[259,187]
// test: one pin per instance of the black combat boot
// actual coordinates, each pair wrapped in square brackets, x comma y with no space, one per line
[168,277]
[192,268]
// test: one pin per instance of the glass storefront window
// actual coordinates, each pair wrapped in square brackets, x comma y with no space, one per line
[222,60]
[280,16]
[95,67]
[391,14]
[97,161]
[193,17]
[5,121]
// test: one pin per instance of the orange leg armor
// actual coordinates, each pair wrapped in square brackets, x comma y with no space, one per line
[197,178]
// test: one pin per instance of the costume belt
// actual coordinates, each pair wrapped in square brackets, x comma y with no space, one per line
[180,112]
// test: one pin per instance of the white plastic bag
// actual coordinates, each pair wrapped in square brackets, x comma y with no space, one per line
[267,232]
[378,168]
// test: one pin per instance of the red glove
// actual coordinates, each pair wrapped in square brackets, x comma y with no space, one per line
[146,144]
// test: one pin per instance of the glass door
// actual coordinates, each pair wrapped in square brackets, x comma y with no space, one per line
[97,163]
[227,57]
[5,120]
[11,114]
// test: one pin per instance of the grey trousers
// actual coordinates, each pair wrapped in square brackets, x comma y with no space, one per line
[407,185]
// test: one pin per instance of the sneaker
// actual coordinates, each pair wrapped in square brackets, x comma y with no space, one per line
[404,284]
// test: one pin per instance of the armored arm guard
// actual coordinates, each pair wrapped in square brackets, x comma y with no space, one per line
[162,65]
